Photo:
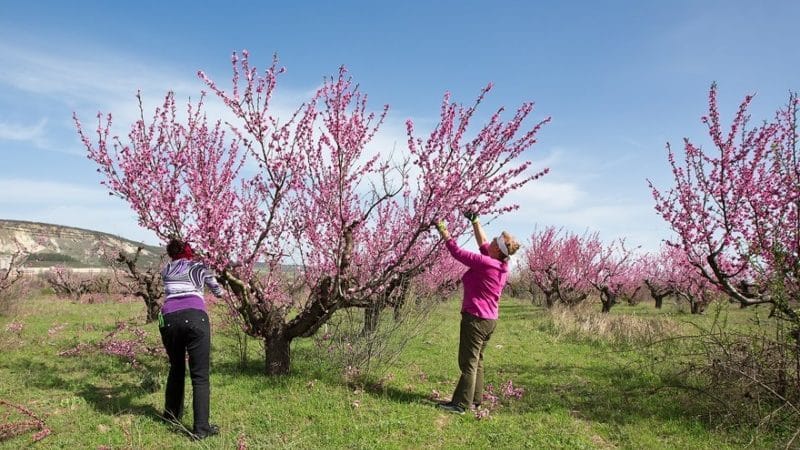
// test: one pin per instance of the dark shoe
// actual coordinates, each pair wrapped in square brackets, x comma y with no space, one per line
[208,432]
[452,407]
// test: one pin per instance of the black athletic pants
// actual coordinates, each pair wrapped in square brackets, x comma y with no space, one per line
[187,331]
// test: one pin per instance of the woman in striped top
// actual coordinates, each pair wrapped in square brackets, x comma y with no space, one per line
[185,328]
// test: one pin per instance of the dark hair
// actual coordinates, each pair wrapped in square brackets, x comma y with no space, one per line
[175,247]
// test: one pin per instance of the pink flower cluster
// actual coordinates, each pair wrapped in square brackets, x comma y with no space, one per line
[55,329]
[33,422]
[241,442]
[492,400]
[15,327]
[127,349]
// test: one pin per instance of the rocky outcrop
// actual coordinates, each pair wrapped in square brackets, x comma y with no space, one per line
[48,244]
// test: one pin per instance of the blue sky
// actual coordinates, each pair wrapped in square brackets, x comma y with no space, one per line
[619,78]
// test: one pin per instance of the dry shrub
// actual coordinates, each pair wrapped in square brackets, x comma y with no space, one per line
[749,374]
[361,356]
[12,294]
[85,287]
[584,322]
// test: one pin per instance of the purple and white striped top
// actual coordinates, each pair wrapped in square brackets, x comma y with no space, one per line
[184,281]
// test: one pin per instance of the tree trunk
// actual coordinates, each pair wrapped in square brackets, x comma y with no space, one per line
[371,315]
[607,299]
[659,301]
[276,355]
[398,309]
[548,300]
[153,308]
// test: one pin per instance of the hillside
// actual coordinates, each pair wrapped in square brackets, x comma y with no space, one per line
[49,244]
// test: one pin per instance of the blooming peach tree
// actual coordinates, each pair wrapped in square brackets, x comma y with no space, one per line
[669,273]
[261,196]
[615,272]
[559,264]
[12,272]
[735,207]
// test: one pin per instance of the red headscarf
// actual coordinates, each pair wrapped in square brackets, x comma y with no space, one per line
[187,252]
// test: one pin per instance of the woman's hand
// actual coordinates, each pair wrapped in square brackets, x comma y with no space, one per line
[441,227]
[471,216]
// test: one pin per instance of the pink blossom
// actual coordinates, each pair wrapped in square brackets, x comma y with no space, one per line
[15,327]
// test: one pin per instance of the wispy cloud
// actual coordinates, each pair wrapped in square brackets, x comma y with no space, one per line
[29,133]
[83,76]
[69,204]
[37,135]
[99,79]
[30,192]
[547,195]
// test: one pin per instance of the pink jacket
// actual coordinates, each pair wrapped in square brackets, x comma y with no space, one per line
[483,282]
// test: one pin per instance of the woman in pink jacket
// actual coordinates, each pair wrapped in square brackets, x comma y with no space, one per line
[483,284]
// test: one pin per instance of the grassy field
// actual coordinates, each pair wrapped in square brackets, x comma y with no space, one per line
[580,391]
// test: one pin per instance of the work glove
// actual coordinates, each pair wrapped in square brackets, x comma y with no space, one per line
[441,226]
[472,216]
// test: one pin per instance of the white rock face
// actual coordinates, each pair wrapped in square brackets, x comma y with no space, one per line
[84,246]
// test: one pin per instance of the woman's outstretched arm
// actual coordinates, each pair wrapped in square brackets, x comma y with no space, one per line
[480,235]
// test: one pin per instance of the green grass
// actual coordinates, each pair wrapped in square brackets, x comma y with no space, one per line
[578,393]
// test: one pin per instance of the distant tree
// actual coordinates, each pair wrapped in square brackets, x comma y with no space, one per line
[137,279]
[669,273]
[560,264]
[67,284]
[614,273]
[12,273]
[658,273]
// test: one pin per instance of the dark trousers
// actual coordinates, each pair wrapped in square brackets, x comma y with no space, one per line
[475,334]
[188,331]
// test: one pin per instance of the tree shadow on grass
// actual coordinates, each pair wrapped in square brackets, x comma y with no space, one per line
[110,397]
[396,395]
[118,399]
[305,365]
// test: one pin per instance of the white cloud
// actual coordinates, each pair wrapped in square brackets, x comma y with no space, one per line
[69,204]
[17,132]
[99,79]
[37,135]
[547,195]
[30,192]
[92,75]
